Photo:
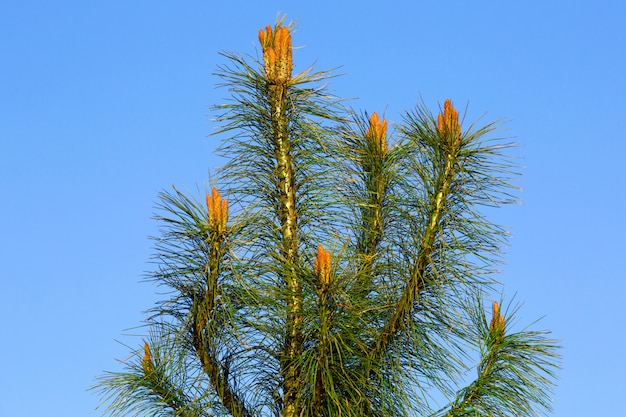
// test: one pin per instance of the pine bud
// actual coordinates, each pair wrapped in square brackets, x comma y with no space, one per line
[448,124]
[321,266]
[146,362]
[277,54]
[218,211]
[497,320]
[377,131]
[265,37]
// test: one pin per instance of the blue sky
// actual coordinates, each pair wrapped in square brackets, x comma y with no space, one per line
[104,104]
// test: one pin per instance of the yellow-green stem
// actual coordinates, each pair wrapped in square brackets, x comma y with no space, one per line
[286,195]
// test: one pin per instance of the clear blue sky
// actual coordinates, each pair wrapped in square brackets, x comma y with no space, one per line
[105,103]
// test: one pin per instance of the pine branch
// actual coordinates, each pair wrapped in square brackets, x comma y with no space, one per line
[515,373]
[203,313]
[191,252]
[287,215]
[275,170]
[278,65]
[152,385]
[372,156]
[448,143]
[159,384]
[218,377]
[323,271]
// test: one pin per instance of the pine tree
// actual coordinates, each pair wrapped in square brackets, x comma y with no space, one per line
[335,268]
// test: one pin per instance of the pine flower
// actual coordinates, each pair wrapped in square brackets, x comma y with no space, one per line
[277,54]
[497,321]
[218,210]
[146,362]
[265,37]
[321,266]
[284,63]
[448,123]
[377,131]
